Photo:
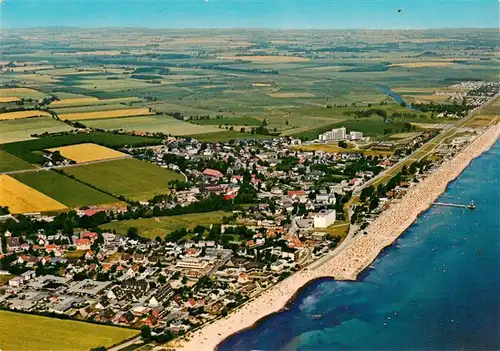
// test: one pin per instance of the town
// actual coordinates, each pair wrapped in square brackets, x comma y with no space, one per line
[286,206]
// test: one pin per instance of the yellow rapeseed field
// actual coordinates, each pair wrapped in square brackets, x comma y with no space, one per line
[87,152]
[23,114]
[21,198]
[73,101]
[105,114]
[9,98]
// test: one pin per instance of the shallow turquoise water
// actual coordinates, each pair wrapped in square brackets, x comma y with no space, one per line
[436,288]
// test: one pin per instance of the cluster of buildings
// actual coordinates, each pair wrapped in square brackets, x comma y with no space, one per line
[338,134]
[177,284]
[475,93]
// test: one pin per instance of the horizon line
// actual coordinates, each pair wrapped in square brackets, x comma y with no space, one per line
[246,28]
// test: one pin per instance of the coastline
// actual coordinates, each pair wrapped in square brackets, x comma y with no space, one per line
[353,259]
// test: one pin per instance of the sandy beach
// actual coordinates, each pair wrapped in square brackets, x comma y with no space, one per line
[353,258]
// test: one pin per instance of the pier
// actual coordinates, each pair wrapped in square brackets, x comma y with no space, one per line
[470,206]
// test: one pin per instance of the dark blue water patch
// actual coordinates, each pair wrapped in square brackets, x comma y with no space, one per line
[398,98]
[435,288]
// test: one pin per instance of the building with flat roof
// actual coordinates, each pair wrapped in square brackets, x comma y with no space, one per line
[324,218]
[192,263]
[355,135]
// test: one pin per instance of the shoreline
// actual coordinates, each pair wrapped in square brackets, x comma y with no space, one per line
[353,259]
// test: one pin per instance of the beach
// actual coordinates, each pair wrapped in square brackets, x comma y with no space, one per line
[353,258]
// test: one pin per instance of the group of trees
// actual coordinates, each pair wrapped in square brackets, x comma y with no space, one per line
[455,108]
[367,113]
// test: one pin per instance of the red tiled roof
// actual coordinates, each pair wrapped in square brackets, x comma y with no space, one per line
[92,211]
[82,242]
[212,173]
[296,192]
[90,235]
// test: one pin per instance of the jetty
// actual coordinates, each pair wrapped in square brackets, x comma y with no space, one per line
[469,206]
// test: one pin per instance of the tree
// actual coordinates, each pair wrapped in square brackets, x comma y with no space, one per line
[343,144]
[146,333]
[366,192]
[162,279]
[381,189]
[57,157]
[133,233]
[184,280]
[374,202]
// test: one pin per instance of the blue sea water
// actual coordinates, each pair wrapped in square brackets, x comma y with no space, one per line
[436,288]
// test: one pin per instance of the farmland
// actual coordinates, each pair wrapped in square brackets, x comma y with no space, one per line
[70,335]
[104,114]
[6,99]
[24,149]
[22,92]
[9,162]
[487,115]
[134,179]
[90,101]
[87,152]
[151,124]
[224,136]
[238,121]
[23,129]
[21,198]
[159,226]
[74,101]
[23,114]
[64,189]
[289,83]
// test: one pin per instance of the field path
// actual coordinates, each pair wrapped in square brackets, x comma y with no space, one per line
[65,166]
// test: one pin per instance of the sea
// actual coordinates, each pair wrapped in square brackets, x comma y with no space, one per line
[436,288]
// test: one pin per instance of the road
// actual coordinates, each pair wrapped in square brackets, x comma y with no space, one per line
[432,144]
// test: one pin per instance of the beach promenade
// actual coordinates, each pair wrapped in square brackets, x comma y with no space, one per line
[353,258]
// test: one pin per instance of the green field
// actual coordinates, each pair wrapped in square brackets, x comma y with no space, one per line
[29,332]
[151,124]
[224,136]
[134,179]
[64,189]
[90,103]
[237,121]
[12,163]
[22,129]
[159,226]
[303,74]
[88,108]
[24,149]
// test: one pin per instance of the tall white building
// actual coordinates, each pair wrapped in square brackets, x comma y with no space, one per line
[334,135]
[339,133]
[356,135]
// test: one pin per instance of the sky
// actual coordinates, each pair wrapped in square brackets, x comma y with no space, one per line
[276,14]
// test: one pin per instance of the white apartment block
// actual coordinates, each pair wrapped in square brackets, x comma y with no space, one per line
[324,219]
